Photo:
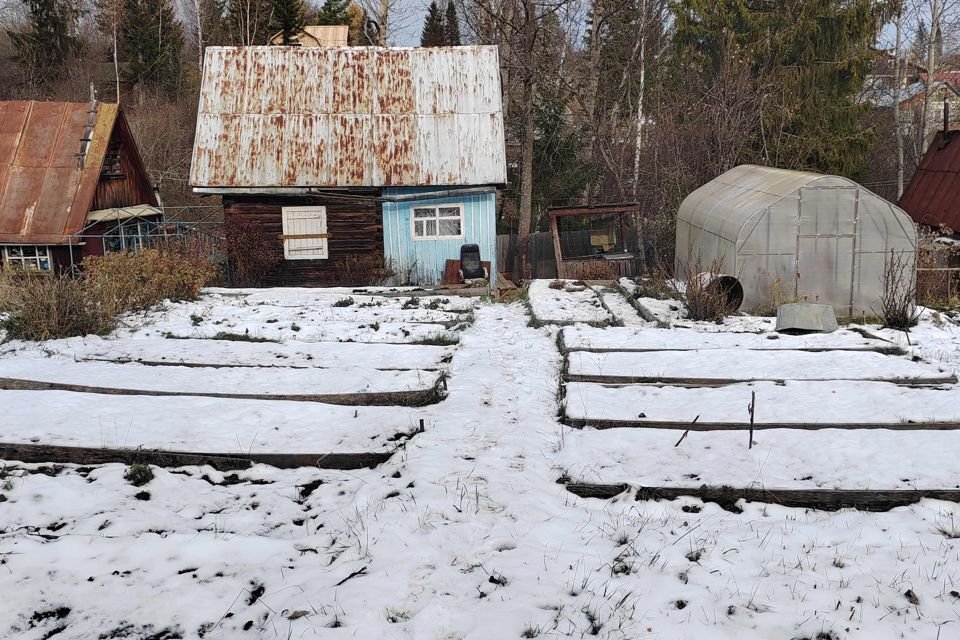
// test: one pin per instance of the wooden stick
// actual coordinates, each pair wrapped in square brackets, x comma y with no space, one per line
[303,236]
[753,404]
[686,432]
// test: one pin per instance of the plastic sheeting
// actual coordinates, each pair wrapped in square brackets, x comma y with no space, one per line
[812,237]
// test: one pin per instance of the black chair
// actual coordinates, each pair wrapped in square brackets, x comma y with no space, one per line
[471,267]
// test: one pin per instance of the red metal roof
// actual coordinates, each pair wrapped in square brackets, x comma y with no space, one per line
[933,196]
[44,192]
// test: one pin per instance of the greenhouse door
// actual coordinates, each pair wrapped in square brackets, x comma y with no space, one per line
[826,245]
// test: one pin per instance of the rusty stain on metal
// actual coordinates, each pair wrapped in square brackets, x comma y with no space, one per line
[44,194]
[349,116]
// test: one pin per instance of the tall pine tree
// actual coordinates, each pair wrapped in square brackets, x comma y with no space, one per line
[451,26]
[817,63]
[150,43]
[50,38]
[434,29]
[287,19]
[334,12]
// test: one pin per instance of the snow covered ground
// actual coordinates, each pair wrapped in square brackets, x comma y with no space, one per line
[742,364]
[465,532]
[566,302]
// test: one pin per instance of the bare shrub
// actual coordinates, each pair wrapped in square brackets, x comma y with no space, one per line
[125,281]
[45,307]
[704,299]
[657,284]
[252,255]
[364,269]
[897,307]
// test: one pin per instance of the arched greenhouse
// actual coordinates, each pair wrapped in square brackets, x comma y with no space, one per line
[813,237]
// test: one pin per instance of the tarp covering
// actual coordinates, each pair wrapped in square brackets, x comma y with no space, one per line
[795,235]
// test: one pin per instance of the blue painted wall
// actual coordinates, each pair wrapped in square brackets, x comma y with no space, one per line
[422,260]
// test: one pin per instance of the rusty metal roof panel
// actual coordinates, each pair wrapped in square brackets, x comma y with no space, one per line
[933,195]
[274,117]
[44,192]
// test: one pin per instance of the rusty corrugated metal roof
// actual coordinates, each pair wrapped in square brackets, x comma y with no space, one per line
[933,195]
[44,194]
[275,117]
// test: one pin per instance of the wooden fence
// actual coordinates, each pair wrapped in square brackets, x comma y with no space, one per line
[541,262]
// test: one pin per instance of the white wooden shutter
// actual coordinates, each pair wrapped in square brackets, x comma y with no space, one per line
[304,221]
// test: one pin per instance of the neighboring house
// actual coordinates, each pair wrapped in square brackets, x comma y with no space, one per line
[72,184]
[317,36]
[354,154]
[932,198]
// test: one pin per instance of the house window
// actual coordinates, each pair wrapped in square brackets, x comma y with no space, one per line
[441,221]
[305,233]
[27,257]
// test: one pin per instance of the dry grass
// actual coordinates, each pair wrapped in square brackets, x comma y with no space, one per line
[45,306]
[774,297]
[704,300]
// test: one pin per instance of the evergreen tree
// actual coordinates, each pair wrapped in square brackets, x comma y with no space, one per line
[451,26]
[334,12]
[247,22]
[150,43]
[287,18]
[434,31]
[50,38]
[817,63]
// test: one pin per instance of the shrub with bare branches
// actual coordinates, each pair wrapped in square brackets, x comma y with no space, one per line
[703,292]
[364,269]
[898,309]
[252,255]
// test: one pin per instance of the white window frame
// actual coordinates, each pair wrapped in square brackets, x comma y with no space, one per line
[320,246]
[437,217]
[40,252]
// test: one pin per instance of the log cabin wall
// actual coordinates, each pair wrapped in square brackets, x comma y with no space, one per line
[354,224]
[122,182]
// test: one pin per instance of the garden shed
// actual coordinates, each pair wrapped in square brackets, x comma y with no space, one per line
[341,164]
[814,237]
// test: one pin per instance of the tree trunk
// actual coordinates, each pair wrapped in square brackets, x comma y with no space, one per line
[199,9]
[526,167]
[931,65]
[638,143]
[897,84]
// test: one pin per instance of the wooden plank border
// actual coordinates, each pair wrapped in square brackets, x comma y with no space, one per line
[45,453]
[821,499]
[417,398]
[884,350]
[580,423]
[722,382]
